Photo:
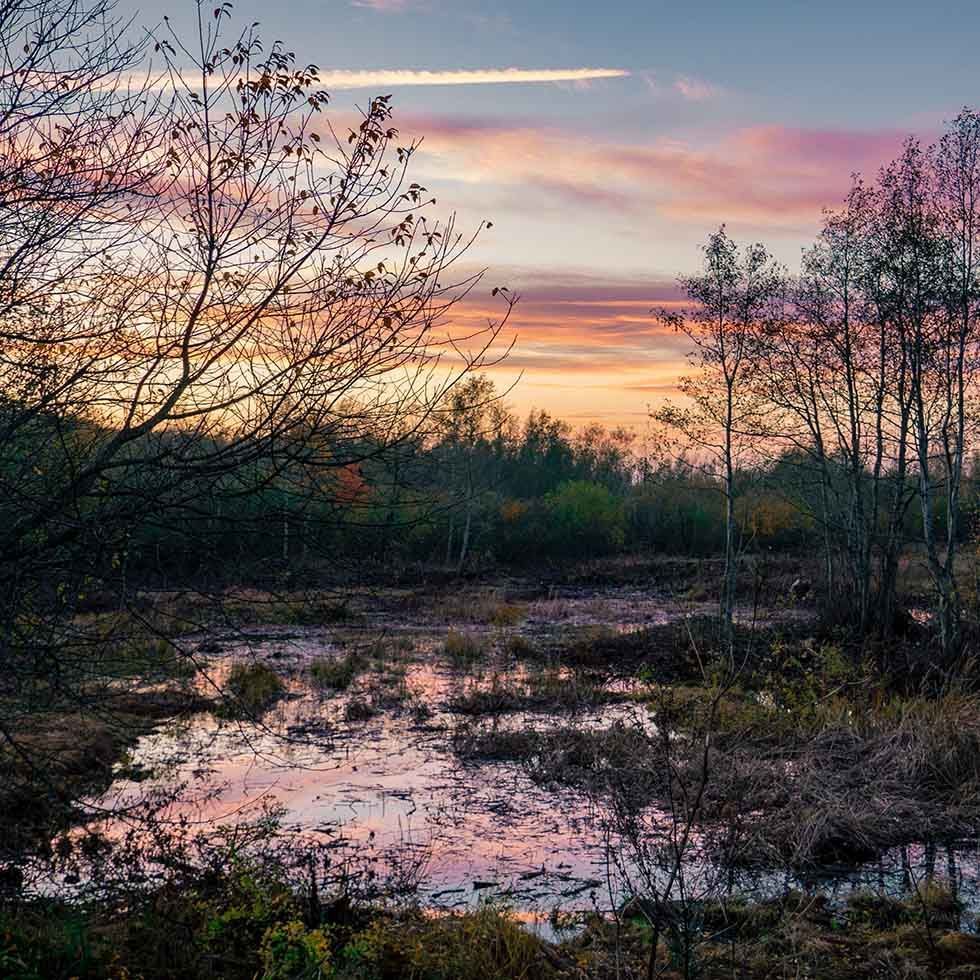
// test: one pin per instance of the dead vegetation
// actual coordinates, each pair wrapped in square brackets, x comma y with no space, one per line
[70,755]
[615,759]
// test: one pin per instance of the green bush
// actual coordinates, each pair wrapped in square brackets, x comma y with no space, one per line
[290,951]
[585,519]
[485,944]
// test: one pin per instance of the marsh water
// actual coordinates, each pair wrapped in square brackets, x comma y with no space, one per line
[372,769]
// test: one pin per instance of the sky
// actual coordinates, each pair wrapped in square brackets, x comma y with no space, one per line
[605,141]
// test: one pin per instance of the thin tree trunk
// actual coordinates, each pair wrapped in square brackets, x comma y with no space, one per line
[464,546]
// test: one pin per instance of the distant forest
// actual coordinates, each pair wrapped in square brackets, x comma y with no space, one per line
[485,487]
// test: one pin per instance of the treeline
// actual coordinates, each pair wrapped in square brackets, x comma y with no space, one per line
[485,488]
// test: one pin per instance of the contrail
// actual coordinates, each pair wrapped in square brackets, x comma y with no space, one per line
[398,78]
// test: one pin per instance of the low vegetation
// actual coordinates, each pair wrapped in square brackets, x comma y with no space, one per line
[339,672]
[250,690]
[248,921]
[464,649]
[547,689]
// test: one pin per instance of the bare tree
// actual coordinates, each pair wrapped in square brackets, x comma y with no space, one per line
[724,415]
[200,279]
[845,408]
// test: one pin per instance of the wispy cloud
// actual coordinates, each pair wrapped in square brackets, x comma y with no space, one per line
[385,78]
[695,89]
[383,6]
[688,87]
[760,177]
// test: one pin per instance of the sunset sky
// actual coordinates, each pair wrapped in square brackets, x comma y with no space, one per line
[605,140]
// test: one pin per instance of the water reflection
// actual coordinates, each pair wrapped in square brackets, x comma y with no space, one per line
[393,782]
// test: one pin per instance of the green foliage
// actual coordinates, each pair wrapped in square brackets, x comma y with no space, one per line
[804,679]
[290,951]
[49,943]
[586,518]
[677,511]
[485,944]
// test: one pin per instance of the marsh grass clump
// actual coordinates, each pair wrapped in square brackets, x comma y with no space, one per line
[506,614]
[663,653]
[838,778]
[393,646]
[264,609]
[337,673]
[567,690]
[464,649]
[390,689]
[358,709]
[250,690]
[485,608]
[497,697]
[621,759]
[521,648]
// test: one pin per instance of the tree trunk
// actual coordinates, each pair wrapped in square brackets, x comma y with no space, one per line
[465,544]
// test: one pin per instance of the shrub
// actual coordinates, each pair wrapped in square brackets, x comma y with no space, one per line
[586,519]
[485,944]
[290,951]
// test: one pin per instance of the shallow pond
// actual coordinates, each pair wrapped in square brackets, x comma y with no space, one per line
[387,780]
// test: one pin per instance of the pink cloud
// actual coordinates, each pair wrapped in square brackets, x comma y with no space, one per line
[864,150]
[567,324]
[764,177]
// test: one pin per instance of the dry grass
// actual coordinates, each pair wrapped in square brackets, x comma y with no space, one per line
[483,608]
[464,649]
[621,758]
[854,782]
